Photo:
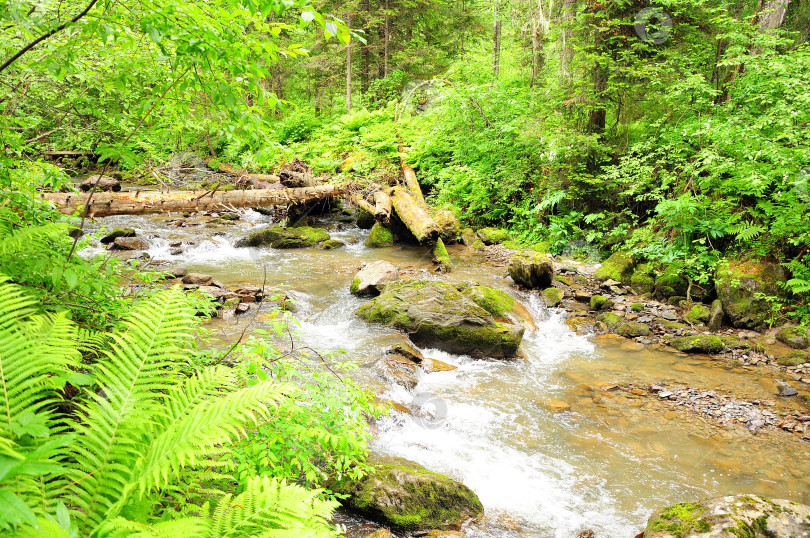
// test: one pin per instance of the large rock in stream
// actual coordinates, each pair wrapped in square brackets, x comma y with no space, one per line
[531,270]
[278,237]
[740,286]
[437,315]
[741,516]
[373,277]
[408,497]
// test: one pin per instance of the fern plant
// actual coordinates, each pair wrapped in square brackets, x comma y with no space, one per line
[139,426]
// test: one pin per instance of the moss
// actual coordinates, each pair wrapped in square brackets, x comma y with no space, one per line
[380,236]
[230,216]
[567,280]
[631,329]
[496,302]
[670,281]
[618,267]
[698,314]
[795,337]
[739,283]
[755,529]
[478,245]
[671,325]
[331,244]
[552,296]
[116,233]
[600,302]
[278,237]
[365,220]
[492,236]
[511,245]
[543,246]
[735,342]
[355,287]
[793,358]
[642,279]
[637,307]
[440,256]
[700,343]
[681,520]
[610,319]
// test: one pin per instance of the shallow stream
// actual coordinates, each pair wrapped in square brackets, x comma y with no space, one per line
[505,428]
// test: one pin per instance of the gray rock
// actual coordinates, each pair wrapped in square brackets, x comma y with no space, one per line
[669,315]
[531,270]
[197,278]
[104,184]
[785,390]
[129,243]
[372,278]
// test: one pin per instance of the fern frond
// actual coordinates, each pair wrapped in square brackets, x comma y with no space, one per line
[119,418]
[13,239]
[188,527]
[269,506]
[33,347]
[198,430]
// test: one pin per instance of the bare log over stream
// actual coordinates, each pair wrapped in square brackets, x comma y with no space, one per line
[414,215]
[412,183]
[382,207]
[143,202]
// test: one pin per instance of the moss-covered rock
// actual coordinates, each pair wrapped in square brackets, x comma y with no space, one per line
[600,302]
[511,245]
[795,337]
[441,257]
[116,233]
[698,314]
[632,329]
[543,246]
[478,245]
[735,342]
[637,307]
[619,267]
[365,220]
[278,237]
[716,315]
[741,516]
[611,320]
[700,343]
[449,225]
[496,302]
[793,358]
[468,237]
[643,280]
[435,314]
[552,296]
[580,324]
[531,270]
[379,237]
[670,281]
[405,495]
[492,236]
[738,285]
[331,244]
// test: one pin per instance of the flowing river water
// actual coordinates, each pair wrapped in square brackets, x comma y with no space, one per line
[603,464]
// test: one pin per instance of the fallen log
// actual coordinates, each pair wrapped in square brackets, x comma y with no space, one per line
[228,169]
[382,207]
[414,215]
[412,183]
[105,204]
[361,202]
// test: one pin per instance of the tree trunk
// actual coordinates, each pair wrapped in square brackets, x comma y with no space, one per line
[105,204]
[412,183]
[566,49]
[414,215]
[365,52]
[496,45]
[349,68]
[773,14]
[382,207]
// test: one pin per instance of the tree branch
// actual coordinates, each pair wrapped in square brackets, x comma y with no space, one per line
[46,35]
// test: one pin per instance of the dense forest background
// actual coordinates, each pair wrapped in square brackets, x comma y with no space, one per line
[550,118]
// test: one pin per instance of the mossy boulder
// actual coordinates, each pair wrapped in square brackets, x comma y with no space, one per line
[738,285]
[408,497]
[379,237]
[699,343]
[492,236]
[792,358]
[611,320]
[278,237]
[331,244]
[116,233]
[643,280]
[478,245]
[468,237]
[671,282]
[511,245]
[698,314]
[436,314]
[795,337]
[632,329]
[496,302]
[740,516]
[449,225]
[440,257]
[618,267]
[637,307]
[580,324]
[531,270]
[600,302]
[365,220]
[552,296]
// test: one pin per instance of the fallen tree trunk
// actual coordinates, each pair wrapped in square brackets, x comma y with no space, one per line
[414,215]
[382,207]
[412,183]
[269,178]
[361,202]
[104,204]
